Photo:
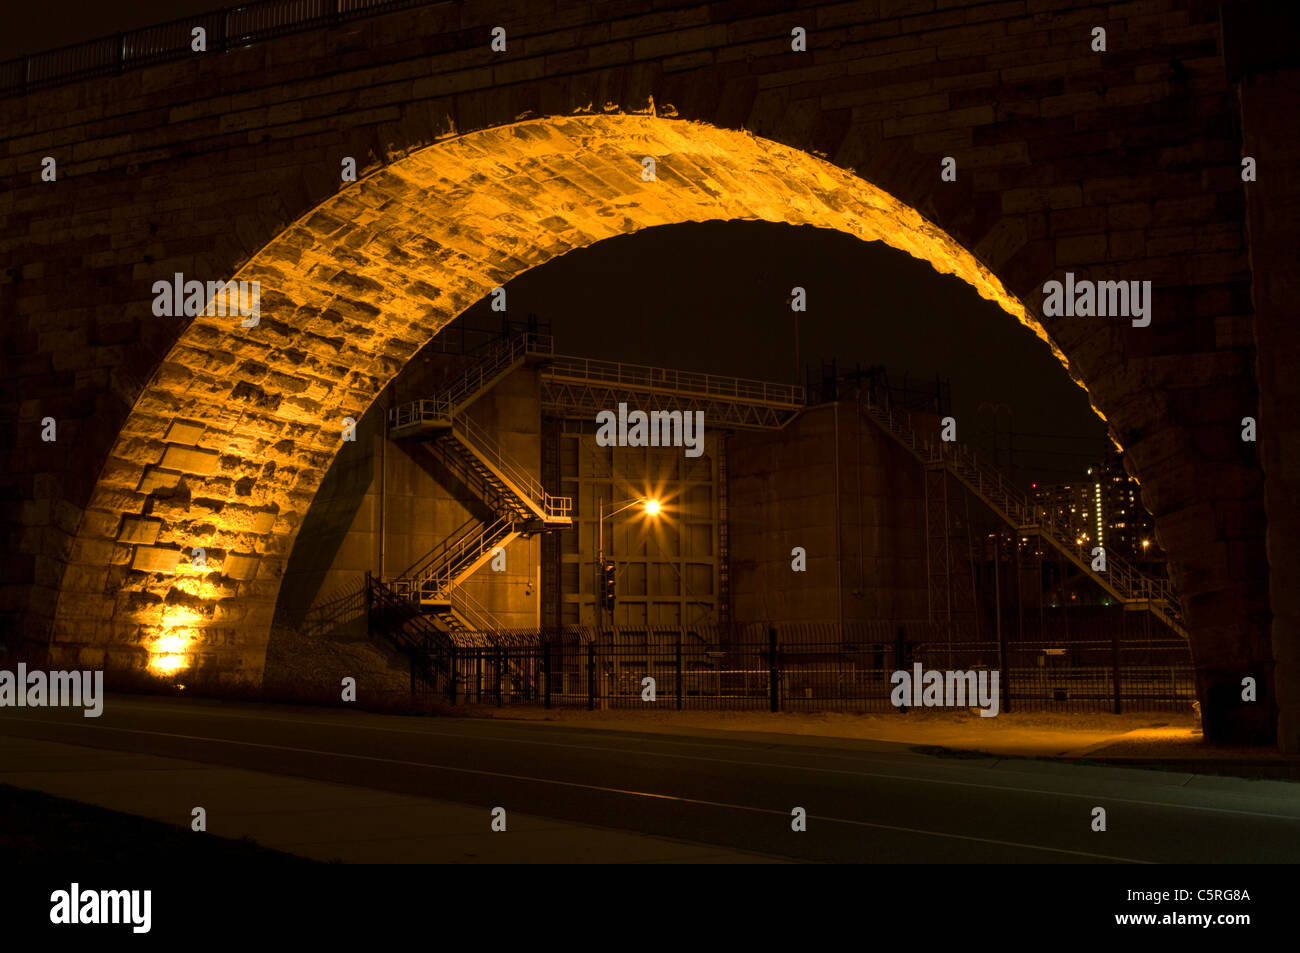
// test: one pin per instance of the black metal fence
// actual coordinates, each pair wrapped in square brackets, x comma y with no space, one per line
[791,668]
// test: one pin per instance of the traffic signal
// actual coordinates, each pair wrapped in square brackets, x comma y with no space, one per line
[610,585]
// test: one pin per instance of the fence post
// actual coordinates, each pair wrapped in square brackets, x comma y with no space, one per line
[370,598]
[546,674]
[501,655]
[1114,671]
[773,674]
[1006,669]
[900,659]
[591,675]
[452,682]
[679,671]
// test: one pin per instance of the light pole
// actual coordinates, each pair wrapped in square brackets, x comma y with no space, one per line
[996,408]
[652,507]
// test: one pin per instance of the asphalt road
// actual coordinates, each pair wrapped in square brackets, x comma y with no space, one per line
[865,801]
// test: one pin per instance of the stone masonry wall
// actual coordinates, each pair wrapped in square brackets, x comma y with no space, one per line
[1114,165]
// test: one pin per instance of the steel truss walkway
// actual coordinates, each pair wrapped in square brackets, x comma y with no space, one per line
[579,387]
[1127,584]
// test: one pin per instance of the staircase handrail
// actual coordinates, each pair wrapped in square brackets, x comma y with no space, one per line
[517,477]
[456,537]
[495,359]
[384,597]
[443,574]
[507,352]
[472,611]
[451,557]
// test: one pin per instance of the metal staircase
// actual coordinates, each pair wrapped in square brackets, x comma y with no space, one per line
[431,580]
[410,631]
[513,494]
[465,615]
[1133,588]
[417,417]
[490,466]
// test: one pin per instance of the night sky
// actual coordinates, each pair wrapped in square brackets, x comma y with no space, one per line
[713,297]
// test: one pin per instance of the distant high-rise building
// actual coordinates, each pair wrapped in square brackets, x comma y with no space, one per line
[1105,506]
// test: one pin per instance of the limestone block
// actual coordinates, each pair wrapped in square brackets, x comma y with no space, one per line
[190,460]
[182,432]
[140,531]
[240,567]
[156,559]
[156,478]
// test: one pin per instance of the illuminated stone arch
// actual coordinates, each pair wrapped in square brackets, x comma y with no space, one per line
[227,444]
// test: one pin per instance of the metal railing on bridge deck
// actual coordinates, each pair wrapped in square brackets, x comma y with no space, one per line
[227,29]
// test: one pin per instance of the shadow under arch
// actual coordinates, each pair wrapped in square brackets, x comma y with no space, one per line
[238,425]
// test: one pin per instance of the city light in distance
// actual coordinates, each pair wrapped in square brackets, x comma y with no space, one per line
[652,507]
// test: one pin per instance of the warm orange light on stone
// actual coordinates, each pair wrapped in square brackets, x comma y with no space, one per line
[246,421]
[171,652]
[168,656]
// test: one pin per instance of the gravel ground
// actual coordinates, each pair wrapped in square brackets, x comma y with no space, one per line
[1165,740]
[1028,734]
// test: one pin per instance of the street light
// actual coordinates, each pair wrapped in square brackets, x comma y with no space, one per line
[996,409]
[604,572]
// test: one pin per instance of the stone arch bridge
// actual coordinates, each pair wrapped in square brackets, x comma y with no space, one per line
[476,165]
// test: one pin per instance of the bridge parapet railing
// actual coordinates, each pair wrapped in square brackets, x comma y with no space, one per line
[227,29]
